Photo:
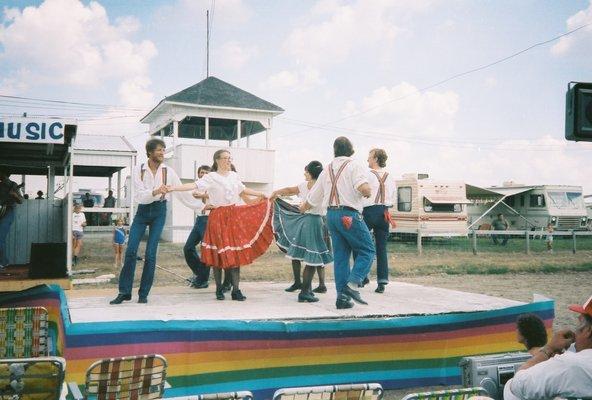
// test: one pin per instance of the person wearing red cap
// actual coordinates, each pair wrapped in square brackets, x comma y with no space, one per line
[555,372]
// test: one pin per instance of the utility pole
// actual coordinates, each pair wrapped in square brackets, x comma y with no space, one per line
[207,43]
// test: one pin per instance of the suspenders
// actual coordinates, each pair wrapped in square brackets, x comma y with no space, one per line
[334,197]
[164,176]
[381,194]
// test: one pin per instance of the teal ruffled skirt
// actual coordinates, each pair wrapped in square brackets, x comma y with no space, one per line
[302,237]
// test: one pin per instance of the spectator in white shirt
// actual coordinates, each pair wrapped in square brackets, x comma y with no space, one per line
[555,372]
[78,224]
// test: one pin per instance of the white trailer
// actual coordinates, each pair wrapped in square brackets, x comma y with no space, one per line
[430,207]
[528,207]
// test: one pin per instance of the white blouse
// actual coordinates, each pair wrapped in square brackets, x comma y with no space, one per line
[222,190]
[303,193]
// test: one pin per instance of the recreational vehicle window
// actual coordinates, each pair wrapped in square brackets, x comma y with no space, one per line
[428,206]
[522,201]
[537,200]
[571,200]
[510,201]
[404,199]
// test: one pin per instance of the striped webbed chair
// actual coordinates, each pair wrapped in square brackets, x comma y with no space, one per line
[135,378]
[23,332]
[36,378]
[449,394]
[360,391]
[242,395]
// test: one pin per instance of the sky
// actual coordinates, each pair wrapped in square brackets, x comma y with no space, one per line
[366,69]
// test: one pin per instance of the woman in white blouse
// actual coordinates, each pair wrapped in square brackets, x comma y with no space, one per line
[236,234]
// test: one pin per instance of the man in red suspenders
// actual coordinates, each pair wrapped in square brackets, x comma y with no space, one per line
[150,186]
[341,186]
[376,211]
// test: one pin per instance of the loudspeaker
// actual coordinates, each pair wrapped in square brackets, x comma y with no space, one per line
[578,112]
[48,260]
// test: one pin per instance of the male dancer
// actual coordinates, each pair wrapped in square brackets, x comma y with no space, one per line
[10,195]
[342,185]
[201,272]
[376,211]
[150,182]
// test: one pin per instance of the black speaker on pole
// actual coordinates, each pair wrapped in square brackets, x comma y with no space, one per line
[48,261]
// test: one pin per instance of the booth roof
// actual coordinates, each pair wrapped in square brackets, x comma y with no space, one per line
[215,92]
[103,143]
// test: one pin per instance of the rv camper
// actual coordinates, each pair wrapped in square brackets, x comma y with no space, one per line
[432,207]
[528,207]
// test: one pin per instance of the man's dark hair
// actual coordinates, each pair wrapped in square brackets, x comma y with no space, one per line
[380,156]
[314,168]
[110,192]
[500,215]
[532,328]
[342,147]
[204,168]
[588,319]
[152,144]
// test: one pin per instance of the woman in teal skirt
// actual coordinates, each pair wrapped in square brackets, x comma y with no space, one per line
[303,237]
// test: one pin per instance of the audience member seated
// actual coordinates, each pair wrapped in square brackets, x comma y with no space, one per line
[555,372]
[531,332]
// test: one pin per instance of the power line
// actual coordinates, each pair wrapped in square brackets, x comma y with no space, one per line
[96,105]
[453,77]
[447,142]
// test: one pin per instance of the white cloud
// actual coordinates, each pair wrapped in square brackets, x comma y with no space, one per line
[403,111]
[336,29]
[234,55]
[490,82]
[298,80]
[84,49]
[580,18]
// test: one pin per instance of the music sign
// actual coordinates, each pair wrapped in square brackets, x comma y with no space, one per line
[32,130]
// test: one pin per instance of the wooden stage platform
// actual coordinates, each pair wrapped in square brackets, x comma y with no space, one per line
[14,278]
[409,336]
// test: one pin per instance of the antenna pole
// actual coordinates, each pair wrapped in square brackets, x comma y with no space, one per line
[207,43]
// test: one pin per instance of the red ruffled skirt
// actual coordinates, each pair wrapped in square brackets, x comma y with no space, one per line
[237,235]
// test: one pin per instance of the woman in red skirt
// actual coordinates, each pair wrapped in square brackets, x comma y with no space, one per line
[236,234]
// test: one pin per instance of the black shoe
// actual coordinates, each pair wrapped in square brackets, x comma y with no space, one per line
[343,302]
[294,287]
[220,294]
[238,296]
[320,289]
[226,286]
[307,297]
[143,300]
[380,288]
[199,285]
[121,298]
[354,294]
[364,282]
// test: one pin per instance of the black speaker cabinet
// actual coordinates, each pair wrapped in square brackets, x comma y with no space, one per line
[48,261]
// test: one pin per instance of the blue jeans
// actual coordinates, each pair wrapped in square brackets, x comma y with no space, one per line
[151,215]
[356,239]
[200,270]
[5,224]
[374,218]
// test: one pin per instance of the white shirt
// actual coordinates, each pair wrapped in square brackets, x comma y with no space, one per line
[303,191]
[565,375]
[352,177]
[144,187]
[389,189]
[77,220]
[222,190]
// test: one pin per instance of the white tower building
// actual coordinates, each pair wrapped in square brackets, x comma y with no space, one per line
[203,118]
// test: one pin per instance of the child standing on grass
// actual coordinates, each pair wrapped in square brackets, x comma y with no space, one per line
[119,236]
[549,238]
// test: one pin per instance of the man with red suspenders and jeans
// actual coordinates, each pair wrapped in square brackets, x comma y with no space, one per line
[150,186]
[341,186]
[376,212]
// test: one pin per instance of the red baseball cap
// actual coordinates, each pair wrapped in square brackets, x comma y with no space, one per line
[584,309]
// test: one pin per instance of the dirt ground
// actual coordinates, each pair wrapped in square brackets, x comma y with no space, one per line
[564,277]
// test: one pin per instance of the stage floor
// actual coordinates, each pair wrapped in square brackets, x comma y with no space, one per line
[269,301]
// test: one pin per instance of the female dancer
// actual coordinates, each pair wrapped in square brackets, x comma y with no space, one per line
[236,234]
[304,237]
